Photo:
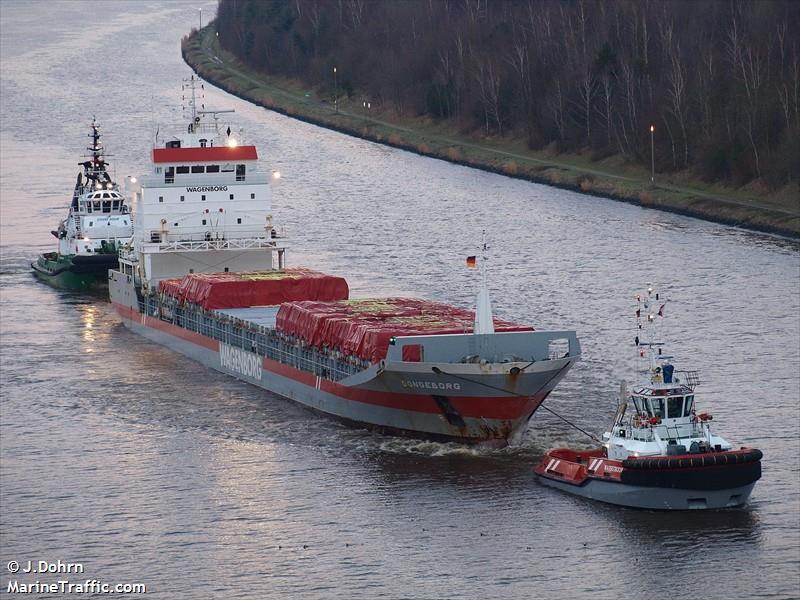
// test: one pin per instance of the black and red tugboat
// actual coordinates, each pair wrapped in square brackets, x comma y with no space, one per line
[661,452]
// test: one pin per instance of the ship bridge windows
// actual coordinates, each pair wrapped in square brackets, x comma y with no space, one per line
[674,407]
[687,409]
[240,170]
[169,175]
[182,170]
[198,169]
[657,407]
[106,206]
[212,169]
[227,168]
[97,205]
[649,407]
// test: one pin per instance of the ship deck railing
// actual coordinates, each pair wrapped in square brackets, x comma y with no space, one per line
[681,431]
[198,242]
[264,341]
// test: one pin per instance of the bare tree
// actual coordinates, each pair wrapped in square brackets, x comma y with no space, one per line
[488,81]
[677,98]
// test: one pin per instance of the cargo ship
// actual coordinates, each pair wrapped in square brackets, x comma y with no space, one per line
[660,452]
[98,223]
[205,274]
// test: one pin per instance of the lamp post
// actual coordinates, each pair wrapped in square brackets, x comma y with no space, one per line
[652,155]
[335,92]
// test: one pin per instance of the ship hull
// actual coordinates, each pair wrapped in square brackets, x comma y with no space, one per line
[435,401]
[74,272]
[655,498]
[711,480]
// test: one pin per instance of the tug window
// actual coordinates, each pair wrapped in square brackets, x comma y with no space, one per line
[687,410]
[674,407]
[657,407]
[212,169]
[239,172]
[198,169]
[107,206]
[639,404]
[97,206]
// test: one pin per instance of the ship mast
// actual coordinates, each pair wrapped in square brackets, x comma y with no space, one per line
[192,83]
[97,176]
[484,322]
[648,344]
[195,126]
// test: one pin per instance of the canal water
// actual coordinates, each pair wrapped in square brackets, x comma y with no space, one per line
[144,466]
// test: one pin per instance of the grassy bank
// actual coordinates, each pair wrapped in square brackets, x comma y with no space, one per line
[777,212]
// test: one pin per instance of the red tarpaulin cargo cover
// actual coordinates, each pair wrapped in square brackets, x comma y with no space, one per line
[259,288]
[363,327]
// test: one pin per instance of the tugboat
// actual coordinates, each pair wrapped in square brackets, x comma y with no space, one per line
[660,452]
[97,225]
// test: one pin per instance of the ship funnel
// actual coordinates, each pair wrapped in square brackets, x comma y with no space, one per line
[484,322]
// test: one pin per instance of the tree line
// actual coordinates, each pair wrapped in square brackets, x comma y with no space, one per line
[719,81]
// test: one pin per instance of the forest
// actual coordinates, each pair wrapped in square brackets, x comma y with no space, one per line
[718,81]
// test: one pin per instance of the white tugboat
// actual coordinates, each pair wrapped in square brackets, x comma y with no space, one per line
[97,225]
[660,452]
[205,275]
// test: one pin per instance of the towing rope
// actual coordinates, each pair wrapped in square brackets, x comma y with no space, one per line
[438,371]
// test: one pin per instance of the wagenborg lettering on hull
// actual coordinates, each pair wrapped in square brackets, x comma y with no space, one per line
[240,361]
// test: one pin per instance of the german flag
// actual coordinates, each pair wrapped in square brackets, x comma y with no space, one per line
[471,262]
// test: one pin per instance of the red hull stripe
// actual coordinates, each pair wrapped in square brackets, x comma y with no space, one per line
[178,332]
[207,154]
[505,407]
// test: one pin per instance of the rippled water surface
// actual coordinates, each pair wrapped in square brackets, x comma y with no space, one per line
[147,467]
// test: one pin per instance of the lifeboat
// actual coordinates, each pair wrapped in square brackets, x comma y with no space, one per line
[660,453]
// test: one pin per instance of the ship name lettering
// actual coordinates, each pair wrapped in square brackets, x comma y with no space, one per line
[429,385]
[612,469]
[240,361]
[208,188]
